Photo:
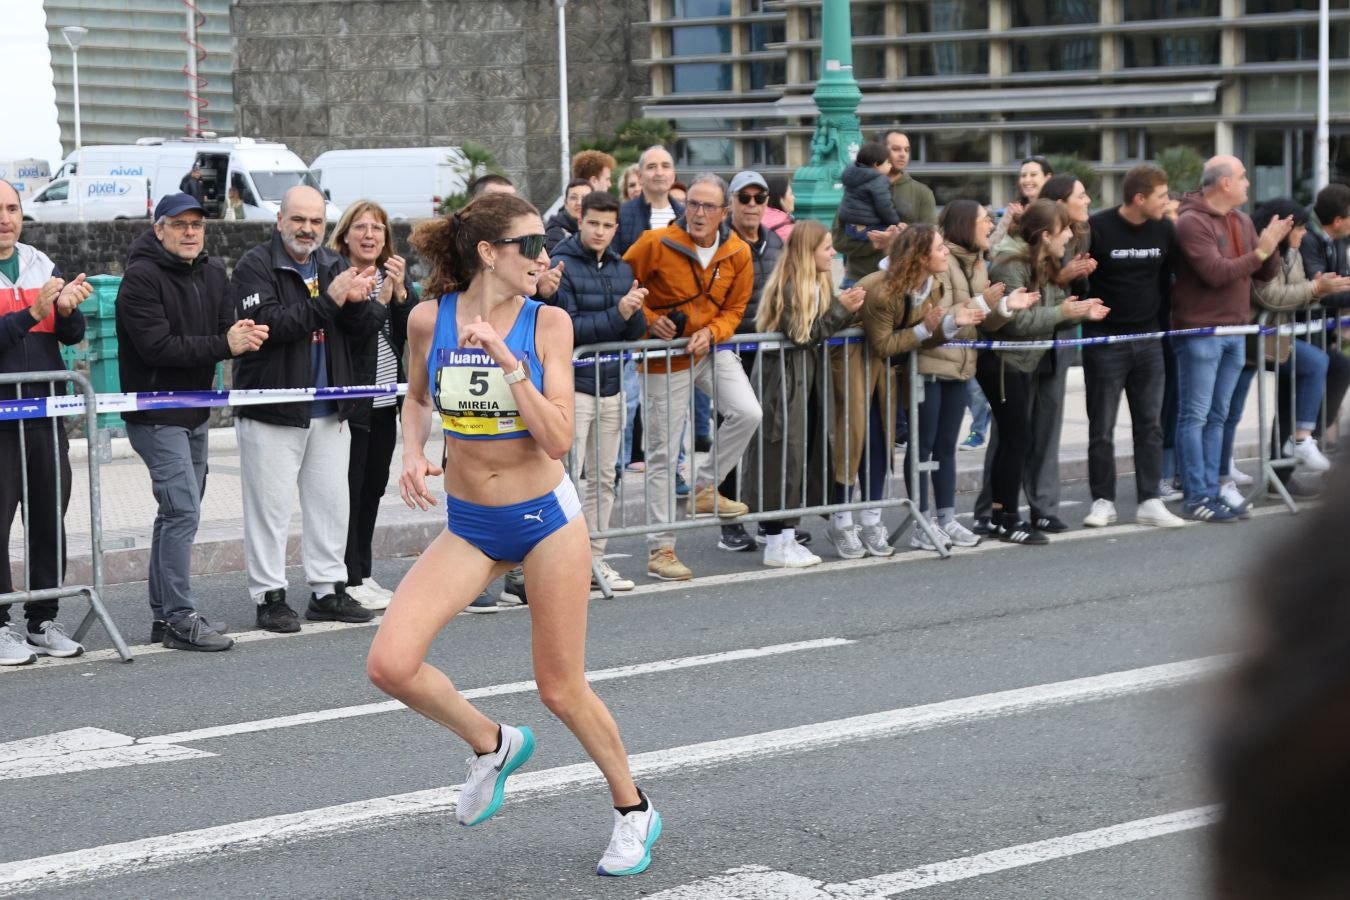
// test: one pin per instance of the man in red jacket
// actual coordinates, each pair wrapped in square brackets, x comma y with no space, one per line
[1220,253]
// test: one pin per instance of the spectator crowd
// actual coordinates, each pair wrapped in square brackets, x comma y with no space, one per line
[714,429]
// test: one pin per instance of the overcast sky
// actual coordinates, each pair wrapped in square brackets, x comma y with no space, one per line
[30,128]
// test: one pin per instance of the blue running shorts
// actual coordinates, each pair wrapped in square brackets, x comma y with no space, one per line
[509,533]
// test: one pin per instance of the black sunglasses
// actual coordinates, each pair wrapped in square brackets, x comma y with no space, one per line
[531,245]
[747,198]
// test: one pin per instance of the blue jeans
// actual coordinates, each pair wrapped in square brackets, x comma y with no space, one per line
[632,389]
[979,408]
[1308,365]
[1208,369]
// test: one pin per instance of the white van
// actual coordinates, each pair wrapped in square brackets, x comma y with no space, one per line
[27,175]
[260,170]
[409,182]
[90,198]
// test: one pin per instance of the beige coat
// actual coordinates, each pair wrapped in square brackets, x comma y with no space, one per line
[966,277]
[1288,290]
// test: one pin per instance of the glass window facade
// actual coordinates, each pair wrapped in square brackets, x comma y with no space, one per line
[1279,6]
[700,78]
[1191,48]
[1294,42]
[1140,10]
[1039,13]
[947,58]
[1055,54]
[705,152]
[767,73]
[699,9]
[945,15]
[766,33]
[700,40]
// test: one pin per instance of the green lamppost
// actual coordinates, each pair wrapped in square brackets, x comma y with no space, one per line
[838,134]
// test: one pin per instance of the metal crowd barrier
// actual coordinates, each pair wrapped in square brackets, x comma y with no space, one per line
[838,356]
[93,591]
[1320,328]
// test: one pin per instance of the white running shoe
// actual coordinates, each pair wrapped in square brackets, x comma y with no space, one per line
[1153,512]
[365,595]
[1229,494]
[846,542]
[1241,478]
[1167,493]
[1103,514]
[1306,454]
[630,846]
[920,541]
[875,540]
[51,640]
[798,556]
[960,535]
[377,587]
[13,650]
[616,581]
[780,553]
[481,794]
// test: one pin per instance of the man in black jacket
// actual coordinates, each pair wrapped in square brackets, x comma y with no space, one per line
[175,321]
[601,295]
[312,302]
[1326,246]
[655,209]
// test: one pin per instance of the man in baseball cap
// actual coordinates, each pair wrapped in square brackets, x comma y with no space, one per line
[175,321]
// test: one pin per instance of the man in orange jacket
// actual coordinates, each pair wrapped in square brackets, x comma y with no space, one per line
[698,275]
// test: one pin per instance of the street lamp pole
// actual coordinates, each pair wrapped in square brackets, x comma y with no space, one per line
[838,132]
[74,35]
[566,164]
[1322,151]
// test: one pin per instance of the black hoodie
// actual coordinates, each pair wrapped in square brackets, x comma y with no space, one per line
[172,316]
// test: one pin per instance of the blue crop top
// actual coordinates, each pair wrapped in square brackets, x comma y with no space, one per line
[468,388]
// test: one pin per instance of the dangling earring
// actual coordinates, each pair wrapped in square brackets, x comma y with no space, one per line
[492,269]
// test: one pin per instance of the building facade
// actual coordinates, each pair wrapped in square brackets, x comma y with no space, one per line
[132,69]
[978,86]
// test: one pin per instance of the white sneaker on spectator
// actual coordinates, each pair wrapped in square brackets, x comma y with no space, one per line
[1169,493]
[1103,514]
[1306,454]
[616,581]
[13,650]
[51,640]
[960,535]
[920,541]
[846,542]
[1229,494]
[800,556]
[1241,478]
[875,540]
[366,596]
[1153,512]
[377,588]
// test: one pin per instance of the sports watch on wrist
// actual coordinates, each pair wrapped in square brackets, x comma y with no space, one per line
[520,374]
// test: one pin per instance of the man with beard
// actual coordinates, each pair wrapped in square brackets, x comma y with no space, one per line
[312,303]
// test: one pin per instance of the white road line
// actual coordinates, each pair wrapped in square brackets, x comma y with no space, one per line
[269,832]
[644,589]
[762,883]
[516,687]
[82,750]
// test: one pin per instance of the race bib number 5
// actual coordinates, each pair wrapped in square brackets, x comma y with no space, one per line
[473,396]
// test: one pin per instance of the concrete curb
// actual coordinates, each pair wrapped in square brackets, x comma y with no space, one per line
[213,556]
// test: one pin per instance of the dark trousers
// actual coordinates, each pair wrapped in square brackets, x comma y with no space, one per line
[1009,393]
[1045,407]
[367,477]
[1137,369]
[875,466]
[43,456]
[940,414]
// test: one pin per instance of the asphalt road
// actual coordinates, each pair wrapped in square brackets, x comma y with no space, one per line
[891,716]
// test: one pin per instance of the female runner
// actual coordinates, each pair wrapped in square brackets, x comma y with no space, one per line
[497,367]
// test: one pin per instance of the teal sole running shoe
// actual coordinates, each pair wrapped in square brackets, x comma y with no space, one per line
[481,794]
[630,847]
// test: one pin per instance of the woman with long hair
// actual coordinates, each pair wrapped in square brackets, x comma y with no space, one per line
[630,185]
[1073,198]
[1032,175]
[1043,234]
[785,464]
[362,237]
[778,217]
[497,369]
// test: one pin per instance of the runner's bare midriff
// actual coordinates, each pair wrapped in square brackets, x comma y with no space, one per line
[499,473]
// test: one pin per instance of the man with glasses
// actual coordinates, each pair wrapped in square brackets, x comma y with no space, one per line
[749,200]
[313,304]
[699,275]
[175,321]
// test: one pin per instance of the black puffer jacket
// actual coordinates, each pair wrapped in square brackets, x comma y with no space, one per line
[267,290]
[590,291]
[559,227]
[766,251]
[172,317]
[867,197]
